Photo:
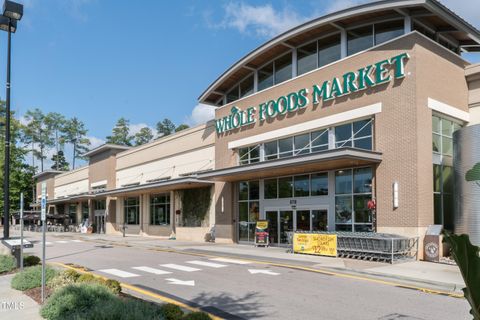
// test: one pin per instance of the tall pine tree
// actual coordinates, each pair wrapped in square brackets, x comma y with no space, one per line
[121,133]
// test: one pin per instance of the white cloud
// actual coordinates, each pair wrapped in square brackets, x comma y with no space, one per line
[136,127]
[201,114]
[95,142]
[262,20]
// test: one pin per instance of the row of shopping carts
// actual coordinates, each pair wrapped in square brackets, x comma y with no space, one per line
[372,246]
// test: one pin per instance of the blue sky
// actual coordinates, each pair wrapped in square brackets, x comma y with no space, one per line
[145,60]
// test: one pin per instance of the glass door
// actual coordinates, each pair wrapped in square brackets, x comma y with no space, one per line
[272,218]
[303,220]
[285,225]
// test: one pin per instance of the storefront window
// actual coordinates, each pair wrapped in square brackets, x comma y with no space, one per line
[307,58]
[302,144]
[232,95]
[285,187]
[246,87]
[72,213]
[249,154]
[319,184]
[442,148]
[265,77]
[301,186]
[283,68]
[271,189]
[271,150]
[132,210]
[329,50]
[100,204]
[388,30]
[353,190]
[357,134]
[319,140]
[248,209]
[285,147]
[359,39]
[160,209]
[85,210]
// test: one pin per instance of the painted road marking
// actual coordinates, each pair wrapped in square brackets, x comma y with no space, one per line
[179,267]
[262,271]
[190,283]
[119,273]
[227,260]
[61,241]
[151,270]
[77,241]
[207,264]
[48,243]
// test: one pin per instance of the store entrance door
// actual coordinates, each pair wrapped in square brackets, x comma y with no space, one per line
[284,220]
[280,222]
[100,221]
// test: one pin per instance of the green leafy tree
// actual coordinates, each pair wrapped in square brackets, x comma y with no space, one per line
[473,175]
[40,134]
[76,135]
[143,136]
[56,123]
[59,162]
[21,174]
[121,133]
[466,255]
[165,127]
[182,127]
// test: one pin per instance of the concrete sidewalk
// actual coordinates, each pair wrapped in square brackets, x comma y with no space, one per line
[433,276]
[14,304]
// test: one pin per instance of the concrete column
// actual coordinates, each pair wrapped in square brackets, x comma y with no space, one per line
[407,24]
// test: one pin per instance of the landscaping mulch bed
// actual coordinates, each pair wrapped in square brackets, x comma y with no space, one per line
[36,294]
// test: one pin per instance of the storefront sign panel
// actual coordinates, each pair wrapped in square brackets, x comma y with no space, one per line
[317,244]
[261,233]
[354,81]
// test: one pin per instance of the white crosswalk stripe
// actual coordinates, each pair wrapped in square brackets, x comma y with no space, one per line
[151,270]
[77,241]
[207,264]
[61,241]
[119,273]
[179,267]
[47,243]
[227,260]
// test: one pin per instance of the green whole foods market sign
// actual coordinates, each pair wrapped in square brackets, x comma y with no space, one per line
[355,81]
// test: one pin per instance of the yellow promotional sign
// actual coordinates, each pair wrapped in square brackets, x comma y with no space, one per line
[262,224]
[318,244]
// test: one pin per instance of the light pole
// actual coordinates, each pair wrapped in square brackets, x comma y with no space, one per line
[12,12]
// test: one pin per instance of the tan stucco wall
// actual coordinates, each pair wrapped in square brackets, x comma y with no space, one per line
[181,142]
[50,181]
[102,167]
[72,182]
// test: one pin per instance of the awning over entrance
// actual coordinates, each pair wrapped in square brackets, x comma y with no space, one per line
[321,161]
[74,198]
[159,186]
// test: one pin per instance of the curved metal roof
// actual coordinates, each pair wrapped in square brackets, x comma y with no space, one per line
[401,7]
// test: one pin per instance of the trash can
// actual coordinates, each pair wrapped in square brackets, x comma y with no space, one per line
[432,243]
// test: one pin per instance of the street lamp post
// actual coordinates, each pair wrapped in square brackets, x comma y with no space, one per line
[12,12]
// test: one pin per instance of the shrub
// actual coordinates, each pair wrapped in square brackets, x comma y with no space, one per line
[7,263]
[74,275]
[86,277]
[30,261]
[63,278]
[197,316]
[114,286]
[171,311]
[31,277]
[79,301]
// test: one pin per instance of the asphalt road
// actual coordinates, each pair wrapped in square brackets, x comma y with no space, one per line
[241,290]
